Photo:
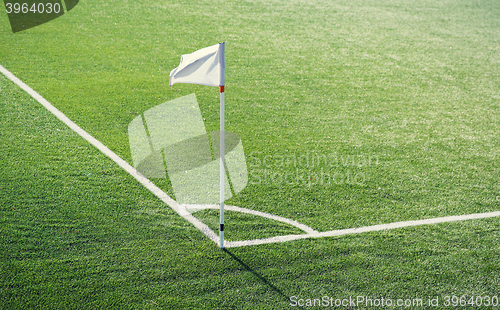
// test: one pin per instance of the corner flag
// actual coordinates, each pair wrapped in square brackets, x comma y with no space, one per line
[206,67]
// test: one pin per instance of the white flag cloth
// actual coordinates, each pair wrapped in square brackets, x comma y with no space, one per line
[205,67]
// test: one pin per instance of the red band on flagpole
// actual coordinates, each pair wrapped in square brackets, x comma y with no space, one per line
[222,89]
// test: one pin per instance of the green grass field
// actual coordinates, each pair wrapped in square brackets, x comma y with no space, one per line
[398,100]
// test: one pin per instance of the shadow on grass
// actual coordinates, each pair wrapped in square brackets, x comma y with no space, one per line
[261,278]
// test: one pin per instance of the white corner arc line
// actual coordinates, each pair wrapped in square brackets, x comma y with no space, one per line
[182,211]
[270,216]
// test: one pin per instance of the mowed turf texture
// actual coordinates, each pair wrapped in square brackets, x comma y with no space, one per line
[351,113]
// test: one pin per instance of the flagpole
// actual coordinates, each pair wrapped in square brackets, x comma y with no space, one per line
[222,66]
[222,171]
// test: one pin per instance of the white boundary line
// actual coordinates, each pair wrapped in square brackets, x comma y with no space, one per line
[182,209]
[359,230]
[106,151]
